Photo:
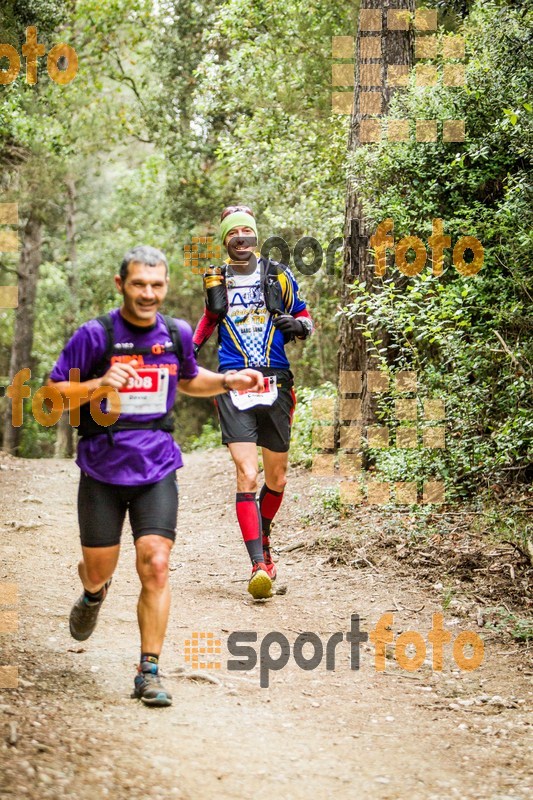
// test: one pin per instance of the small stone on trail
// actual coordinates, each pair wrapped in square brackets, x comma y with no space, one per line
[12,736]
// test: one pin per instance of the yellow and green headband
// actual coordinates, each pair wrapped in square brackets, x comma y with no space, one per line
[239,219]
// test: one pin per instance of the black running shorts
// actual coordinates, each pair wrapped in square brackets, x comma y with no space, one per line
[266,426]
[152,508]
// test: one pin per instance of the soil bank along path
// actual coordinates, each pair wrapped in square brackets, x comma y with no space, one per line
[70,729]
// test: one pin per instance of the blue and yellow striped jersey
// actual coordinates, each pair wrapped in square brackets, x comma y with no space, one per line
[247,337]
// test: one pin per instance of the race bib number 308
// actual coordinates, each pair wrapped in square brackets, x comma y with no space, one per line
[145,394]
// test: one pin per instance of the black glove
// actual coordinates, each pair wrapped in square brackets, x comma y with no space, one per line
[289,326]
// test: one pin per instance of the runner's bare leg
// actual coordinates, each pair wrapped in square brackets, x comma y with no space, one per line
[97,566]
[153,608]
[244,455]
[275,465]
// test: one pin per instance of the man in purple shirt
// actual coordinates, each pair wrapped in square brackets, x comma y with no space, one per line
[131,465]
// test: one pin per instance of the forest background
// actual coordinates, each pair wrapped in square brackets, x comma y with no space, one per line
[180,108]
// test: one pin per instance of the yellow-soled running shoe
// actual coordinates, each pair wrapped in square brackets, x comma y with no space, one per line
[260,585]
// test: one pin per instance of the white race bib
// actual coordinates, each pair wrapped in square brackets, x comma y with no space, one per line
[244,400]
[145,394]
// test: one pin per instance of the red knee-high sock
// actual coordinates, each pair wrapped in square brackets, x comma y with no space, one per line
[269,503]
[250,524]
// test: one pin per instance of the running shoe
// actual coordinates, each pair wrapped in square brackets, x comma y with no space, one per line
[269,564]
[84,615]
[147,687]
[260,586]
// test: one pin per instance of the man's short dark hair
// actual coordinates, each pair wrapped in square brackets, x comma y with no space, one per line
[144,254]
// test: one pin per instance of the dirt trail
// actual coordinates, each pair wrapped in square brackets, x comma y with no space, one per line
[71,731]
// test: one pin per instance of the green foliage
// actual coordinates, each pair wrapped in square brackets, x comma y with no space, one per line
[507,523]
[469,338]
[208,439]
[330,500]
[37,441]
[301,443]
[447,597]
[180,108]
[250,86]
[520,628]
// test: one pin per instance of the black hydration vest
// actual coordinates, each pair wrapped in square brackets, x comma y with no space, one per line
[217,298]
[88,426]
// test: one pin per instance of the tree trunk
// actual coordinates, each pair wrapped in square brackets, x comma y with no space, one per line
[64,444]
[30,261]
[354,351]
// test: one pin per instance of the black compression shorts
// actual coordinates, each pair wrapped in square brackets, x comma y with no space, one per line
[266,426]
[153,508]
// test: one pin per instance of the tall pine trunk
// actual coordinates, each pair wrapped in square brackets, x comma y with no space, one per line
[354,351]
[30,261]
[64,444]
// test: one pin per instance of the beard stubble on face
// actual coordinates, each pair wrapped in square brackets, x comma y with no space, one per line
[241,250]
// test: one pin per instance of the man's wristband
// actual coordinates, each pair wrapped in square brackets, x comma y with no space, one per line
[225,379]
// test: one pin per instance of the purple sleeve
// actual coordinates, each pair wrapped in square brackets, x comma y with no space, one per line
[83,351]
[189,367]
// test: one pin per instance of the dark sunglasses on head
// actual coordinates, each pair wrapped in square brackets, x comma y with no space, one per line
[232,209]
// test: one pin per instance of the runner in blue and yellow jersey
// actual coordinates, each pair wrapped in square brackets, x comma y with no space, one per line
[256,305]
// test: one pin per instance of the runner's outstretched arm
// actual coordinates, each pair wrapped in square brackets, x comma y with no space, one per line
[204,330]
[208,384]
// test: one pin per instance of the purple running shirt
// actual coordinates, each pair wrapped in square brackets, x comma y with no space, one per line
[137,456]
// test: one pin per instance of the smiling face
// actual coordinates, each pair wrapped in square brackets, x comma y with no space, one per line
[144,288]
[240,243]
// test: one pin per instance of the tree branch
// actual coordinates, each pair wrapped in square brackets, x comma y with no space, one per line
[509,352]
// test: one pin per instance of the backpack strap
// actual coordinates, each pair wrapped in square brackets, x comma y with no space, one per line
[107,324]
[175,337]
[271,286]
